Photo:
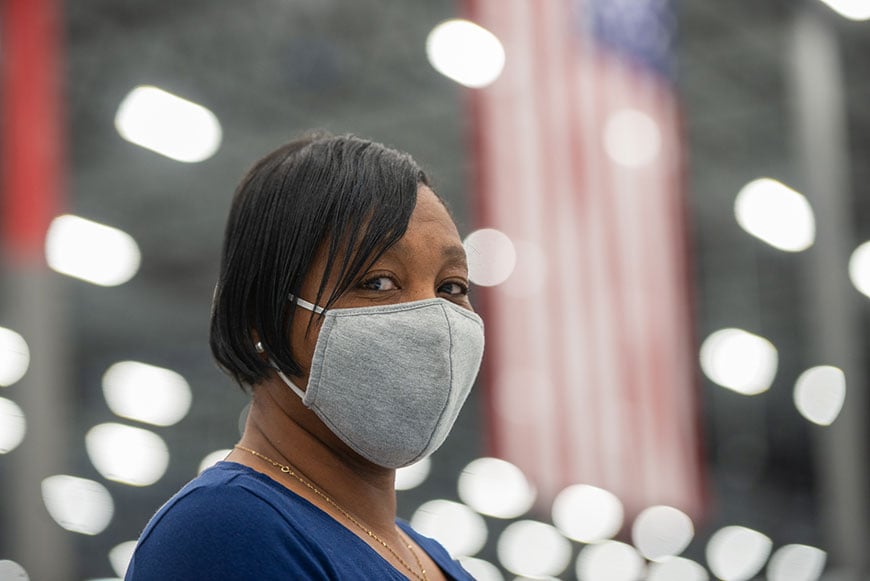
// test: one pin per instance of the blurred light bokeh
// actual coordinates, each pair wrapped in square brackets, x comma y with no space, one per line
[109,399]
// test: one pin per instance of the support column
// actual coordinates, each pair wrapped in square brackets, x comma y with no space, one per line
[32,181]
[819,116]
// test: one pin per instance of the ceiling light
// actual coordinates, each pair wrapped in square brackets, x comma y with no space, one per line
[465,52]
[491,256]
[146,393]
[481,570]
[78,504]
[610,561]
[414,475]
[851,9]
[13,425]
[739,360]
[92,252]
[167,124]
[587,513]
[776,214]
[128,455]
[12,570]
[120,557]
[662,531]
[212,458]
[496,488]
[796,563]
[459,529]
[819,394]
[632,138]
[859,268]
[14,356]
[737,553]
[533,549]
[677,569]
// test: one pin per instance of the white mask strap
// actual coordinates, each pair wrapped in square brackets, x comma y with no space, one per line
[286,380]
[306,305]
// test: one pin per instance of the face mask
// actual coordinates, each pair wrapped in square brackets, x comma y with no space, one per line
[390,380]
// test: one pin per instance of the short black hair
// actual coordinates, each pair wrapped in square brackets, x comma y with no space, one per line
[354,195]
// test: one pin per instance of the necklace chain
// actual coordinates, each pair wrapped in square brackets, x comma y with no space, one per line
[288,470]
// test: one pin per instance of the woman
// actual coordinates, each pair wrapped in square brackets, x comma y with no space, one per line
[342,304]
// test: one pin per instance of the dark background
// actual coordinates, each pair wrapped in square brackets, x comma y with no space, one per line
[270,69]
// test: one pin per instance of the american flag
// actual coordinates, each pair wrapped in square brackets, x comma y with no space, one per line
[589,373]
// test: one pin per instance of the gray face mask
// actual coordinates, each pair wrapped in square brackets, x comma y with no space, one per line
[390,380]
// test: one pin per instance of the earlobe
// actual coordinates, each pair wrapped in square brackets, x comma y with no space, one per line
[255,339]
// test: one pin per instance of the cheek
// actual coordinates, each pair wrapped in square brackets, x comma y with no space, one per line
[303,339]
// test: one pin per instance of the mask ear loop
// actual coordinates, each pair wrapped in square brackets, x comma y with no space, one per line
[258,346]
[306,305]
[289,383]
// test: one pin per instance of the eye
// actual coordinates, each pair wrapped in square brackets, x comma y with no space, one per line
[379,283]
[454,288]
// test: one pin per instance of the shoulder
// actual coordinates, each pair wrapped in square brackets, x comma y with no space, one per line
[227,500]
[228,523]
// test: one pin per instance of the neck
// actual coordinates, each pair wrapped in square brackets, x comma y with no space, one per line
[282,429]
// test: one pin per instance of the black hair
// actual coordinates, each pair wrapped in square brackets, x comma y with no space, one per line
[352,195]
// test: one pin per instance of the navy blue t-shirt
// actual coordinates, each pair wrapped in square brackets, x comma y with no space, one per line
[234,523]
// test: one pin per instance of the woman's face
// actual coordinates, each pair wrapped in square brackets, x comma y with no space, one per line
[427,262]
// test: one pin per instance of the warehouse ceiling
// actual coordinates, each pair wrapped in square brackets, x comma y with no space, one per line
[271,69]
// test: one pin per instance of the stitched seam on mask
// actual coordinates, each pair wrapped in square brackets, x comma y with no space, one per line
[402,307]
[325,328]
[385,309]
[447,399]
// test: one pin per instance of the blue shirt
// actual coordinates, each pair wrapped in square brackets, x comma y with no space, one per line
[234,523]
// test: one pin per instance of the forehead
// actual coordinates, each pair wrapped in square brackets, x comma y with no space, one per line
[429,207]
[430,222]
[431,237]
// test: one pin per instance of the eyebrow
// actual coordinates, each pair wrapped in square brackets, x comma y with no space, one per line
[454,254]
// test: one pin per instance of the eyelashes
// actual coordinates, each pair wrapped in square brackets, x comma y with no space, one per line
[379,283]
[385,283]
[460,288]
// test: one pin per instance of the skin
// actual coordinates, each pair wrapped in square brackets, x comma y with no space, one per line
[427,262]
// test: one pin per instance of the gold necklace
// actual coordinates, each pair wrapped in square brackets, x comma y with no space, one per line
[288,470]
